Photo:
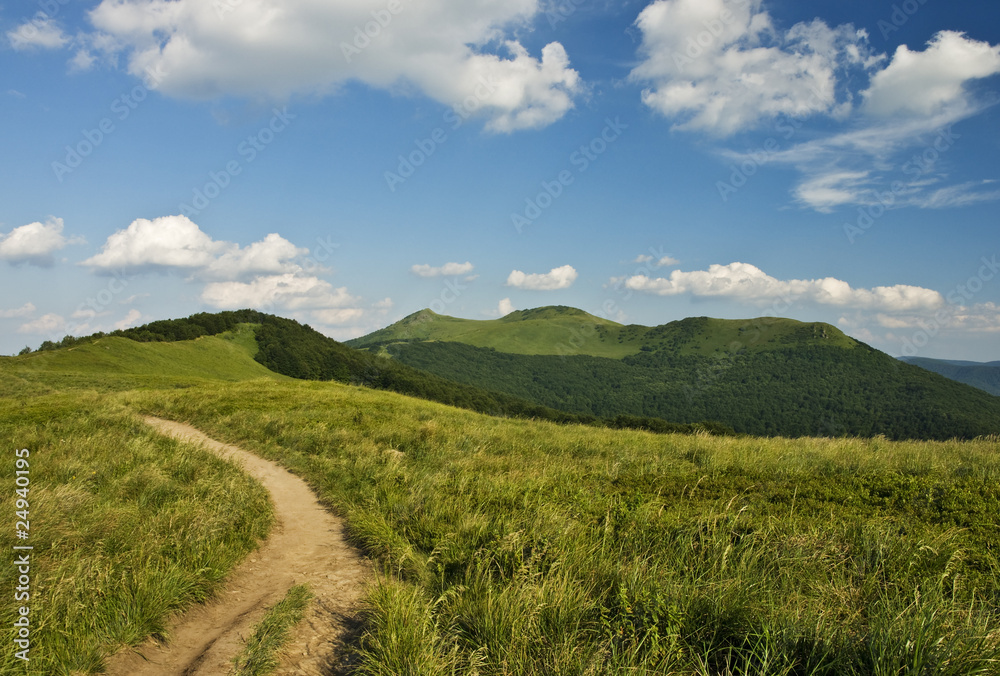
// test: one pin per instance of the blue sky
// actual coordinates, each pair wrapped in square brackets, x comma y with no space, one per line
[348,163]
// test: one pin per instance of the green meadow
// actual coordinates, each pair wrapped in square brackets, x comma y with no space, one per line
[503,546]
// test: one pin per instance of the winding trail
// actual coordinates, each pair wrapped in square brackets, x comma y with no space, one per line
[307,545]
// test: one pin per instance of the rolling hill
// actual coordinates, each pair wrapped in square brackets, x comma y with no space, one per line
[563,331]
[985,376]
[246,344]
[765,376]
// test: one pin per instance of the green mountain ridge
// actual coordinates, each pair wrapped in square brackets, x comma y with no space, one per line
[247,345]
[985,376]
[562,331]
[765,376]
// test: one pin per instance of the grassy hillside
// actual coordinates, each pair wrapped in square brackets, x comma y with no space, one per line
[508,546]
[984,376]
[515,547]
[127,527]
[228,356]
[568,331]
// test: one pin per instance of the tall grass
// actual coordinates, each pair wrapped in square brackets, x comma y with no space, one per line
[513,547]
[127,527]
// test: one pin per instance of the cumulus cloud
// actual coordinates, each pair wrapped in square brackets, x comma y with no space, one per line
[505,307]
[130,319]
[256,49]
[745,282]
[176,243]
[723,67]
[37,33]
[934,80]
[35,243]
[46,325]
[891,153]
[25,310]
[555,279]
[446,270]
[287,292]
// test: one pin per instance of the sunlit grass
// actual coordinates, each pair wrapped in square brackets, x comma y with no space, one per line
[127,527]
[515,547]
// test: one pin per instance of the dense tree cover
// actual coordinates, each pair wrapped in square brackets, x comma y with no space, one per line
[793,391]
[984,376]
[298,351]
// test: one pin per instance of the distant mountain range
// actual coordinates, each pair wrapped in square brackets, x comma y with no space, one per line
[984,375]
[766,376]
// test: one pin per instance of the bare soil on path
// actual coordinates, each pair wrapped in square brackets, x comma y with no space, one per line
[307,545]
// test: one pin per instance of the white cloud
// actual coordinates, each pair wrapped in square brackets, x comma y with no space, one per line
[169,242]
[45,325]
[35,243]
[723,67]
[287,292]
[667,261]
[41,33]
[446,270]
[742,281]
[505,307]
[642,259]
[25,310]
[895,147]
[272,255]
[130,319]
[446,50]
[176,243]
[336,317]
[929,82]
[557,278]
[81,61]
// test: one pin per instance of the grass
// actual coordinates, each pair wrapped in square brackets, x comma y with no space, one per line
[260,654]
[127,527]
[505,546]
[514,547]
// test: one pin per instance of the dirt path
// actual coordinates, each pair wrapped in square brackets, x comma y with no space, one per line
[306,546]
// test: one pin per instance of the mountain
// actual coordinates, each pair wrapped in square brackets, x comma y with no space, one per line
[247,344]
[559,330]
[985,376]
[765,376]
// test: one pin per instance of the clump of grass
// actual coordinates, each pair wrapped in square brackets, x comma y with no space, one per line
[260,655]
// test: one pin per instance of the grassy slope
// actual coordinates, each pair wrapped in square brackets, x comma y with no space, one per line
[227,357]
[127,526]
[513,547]
[567,331]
